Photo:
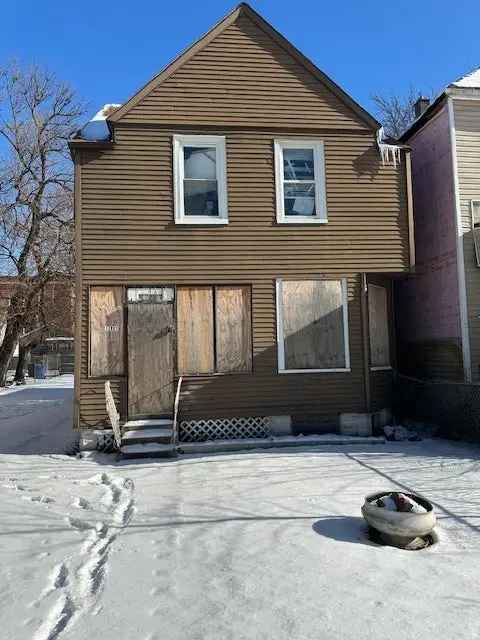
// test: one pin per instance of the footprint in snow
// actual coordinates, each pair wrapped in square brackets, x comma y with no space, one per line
[15,486]
[81,503]
[76,523]
[43,499]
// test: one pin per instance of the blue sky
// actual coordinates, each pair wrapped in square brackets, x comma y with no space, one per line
[107,50]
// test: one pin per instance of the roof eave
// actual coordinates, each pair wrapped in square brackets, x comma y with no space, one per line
[77,144]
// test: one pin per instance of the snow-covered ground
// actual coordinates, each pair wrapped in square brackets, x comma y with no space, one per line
[266,545]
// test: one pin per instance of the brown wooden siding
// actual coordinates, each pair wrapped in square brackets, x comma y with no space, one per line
[244,78]
[129,237]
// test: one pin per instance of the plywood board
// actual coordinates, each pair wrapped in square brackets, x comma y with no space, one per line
[106,331]
[378,324]
[195,338]
[233,328]
[313,331]
[150,359]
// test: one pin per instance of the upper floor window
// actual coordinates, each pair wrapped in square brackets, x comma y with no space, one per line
[200,179]
[300,181]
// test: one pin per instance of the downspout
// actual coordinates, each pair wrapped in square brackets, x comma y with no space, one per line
[462,289]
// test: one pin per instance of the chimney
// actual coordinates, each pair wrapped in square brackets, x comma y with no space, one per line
[420,105]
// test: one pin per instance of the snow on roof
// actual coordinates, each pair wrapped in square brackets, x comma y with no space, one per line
[470,80]
[97,128]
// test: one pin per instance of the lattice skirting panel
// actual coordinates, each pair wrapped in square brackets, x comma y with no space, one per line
[223,429]
[106,441]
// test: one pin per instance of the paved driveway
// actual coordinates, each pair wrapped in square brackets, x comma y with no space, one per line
[37,418]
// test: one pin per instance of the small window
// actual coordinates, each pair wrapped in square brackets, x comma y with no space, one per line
[200,181]
[300,181]
[214,330]
[379,327]
[475,207]
[312,326]
[106,331]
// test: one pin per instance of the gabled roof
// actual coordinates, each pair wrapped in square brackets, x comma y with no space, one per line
[244,9]
[468,84]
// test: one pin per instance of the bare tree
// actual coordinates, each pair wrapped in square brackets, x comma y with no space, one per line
[38,115]
[396,112]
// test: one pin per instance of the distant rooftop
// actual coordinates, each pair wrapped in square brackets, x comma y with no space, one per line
[466,86]
[469,81]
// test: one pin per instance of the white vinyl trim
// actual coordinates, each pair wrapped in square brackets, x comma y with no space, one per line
[280,335]
[462,289]
[320,216]
[179,142]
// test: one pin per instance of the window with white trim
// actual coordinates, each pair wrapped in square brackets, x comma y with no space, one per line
[300,181]
[378,321]
[312,326]
[200,179]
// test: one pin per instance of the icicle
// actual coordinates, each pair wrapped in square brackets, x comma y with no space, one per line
[387,151]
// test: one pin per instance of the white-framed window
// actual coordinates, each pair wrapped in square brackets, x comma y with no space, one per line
[475,210]
[379,327]
[200,179]
[312,326]
[300,182]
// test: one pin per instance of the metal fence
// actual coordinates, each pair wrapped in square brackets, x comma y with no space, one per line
[48,365]
[453,407]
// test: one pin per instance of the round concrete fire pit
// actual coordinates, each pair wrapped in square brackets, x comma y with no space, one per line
[404,529]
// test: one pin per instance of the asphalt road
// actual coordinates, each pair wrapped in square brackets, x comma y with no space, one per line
[37,419]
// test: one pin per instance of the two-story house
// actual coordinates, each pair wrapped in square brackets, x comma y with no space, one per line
[439,320]
[236,227]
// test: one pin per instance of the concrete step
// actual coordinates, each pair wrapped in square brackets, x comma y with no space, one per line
[151,423]
[134,436]
[147,450]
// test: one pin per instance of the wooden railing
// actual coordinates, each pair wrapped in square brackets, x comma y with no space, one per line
[175,411]
[113,414]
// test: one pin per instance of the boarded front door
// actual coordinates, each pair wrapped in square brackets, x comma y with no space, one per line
[150,351]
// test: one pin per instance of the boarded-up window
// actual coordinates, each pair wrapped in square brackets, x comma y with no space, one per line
[312,325]
[233,334]
[214,329]
[195,330]
[378,323]
[106,331]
